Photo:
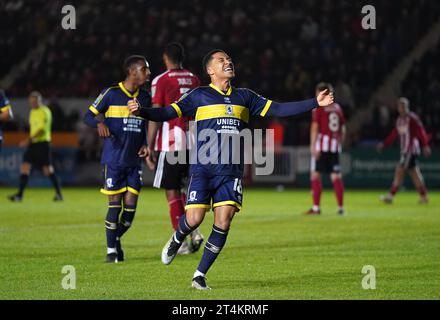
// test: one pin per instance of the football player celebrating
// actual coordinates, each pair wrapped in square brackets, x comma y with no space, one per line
[218,109]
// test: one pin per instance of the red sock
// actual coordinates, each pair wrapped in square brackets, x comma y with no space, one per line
[176,210]
[422,190]
[393,189]
[338,185]
[316,191]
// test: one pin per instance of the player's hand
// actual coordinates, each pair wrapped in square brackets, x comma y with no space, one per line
[150,160]
[379,147]
[315,153]
[103,130]
[325,98]
[133,106]
[427,151]
[143,152]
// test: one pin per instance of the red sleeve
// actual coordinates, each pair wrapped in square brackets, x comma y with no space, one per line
[315,115]
[420,130]
[157,93]
[391,137]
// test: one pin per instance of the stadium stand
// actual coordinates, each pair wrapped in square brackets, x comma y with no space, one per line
[77,63]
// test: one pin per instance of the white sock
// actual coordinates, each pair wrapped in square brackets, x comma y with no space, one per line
[315,208]
[198,273]
[111,250]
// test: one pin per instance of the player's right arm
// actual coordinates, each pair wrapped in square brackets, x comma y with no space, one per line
[186,106]
[158,101]
[98,107]
[388,140]
[153,128]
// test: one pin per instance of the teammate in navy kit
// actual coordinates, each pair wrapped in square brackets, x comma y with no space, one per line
[124,147]
[222,109]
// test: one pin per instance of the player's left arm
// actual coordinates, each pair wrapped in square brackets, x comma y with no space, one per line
[343,133]
[286,109]
[421,135]
[343,126]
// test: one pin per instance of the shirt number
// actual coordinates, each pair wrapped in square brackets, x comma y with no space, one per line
[333,122]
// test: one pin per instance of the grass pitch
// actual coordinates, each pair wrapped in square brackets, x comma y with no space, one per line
[273,251]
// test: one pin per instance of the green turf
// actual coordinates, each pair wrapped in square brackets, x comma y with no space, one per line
[273,252]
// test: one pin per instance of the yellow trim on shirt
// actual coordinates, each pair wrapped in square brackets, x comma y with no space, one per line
[266,108]
[228,93]
[177,108]
[5,108]
[134,95]
[94,110]
[117,112]
[222,111]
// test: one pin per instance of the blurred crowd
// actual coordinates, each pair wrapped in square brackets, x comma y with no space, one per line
[281,49]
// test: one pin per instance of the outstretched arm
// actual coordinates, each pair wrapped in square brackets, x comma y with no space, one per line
[154,114]
[286,109]
[388,140]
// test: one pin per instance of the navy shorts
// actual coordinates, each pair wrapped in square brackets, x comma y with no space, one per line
[119,180]
[206,192]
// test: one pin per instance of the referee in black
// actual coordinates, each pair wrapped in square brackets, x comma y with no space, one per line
[38,153]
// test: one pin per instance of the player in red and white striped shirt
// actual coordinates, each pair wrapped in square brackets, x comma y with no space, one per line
[411,133]
[170,137]
[326,136]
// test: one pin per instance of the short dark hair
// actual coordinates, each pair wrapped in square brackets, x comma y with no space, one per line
[175,52]
[132,60]
[323,86]
[208,57]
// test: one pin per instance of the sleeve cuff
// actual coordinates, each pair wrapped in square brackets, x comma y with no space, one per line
[94,110]
[5,108]
[177,108]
